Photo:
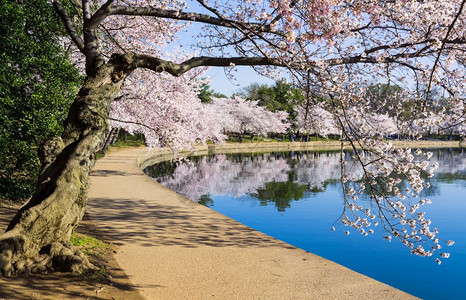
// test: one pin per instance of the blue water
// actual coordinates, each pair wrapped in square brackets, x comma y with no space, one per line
[304,220]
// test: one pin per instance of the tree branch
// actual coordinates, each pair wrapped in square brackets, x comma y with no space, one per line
[108,10]
[240,27]
[160,65]
[450,28]
[417,43]
[94,57]
[69,26]
[134,61]
[86,6]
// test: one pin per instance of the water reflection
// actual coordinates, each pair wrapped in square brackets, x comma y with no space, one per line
[279,178]
[280,194]
[296,197]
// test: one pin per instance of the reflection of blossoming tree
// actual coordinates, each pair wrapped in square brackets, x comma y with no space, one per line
[240,175]
[449,162]
[221,176]
[267,174]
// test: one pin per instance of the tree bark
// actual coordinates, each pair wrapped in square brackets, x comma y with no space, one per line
[38,236]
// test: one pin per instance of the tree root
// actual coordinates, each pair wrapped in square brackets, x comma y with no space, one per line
[54,257]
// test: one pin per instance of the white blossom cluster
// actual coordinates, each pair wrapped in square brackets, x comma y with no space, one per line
[394,178]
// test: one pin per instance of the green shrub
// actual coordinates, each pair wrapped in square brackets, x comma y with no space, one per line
[37,85]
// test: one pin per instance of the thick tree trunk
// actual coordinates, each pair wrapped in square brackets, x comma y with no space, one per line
[38,236]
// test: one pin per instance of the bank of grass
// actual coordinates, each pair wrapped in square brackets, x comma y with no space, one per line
[124,141]
[279,139]
[283,143]
[89,245]
[128,143]
[95,250]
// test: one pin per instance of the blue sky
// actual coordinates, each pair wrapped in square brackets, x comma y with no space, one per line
[244,76]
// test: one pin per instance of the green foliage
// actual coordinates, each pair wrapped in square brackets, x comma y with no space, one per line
[88,245]
[280,97]
[128,143]
[37,83]
[281,194]
[125,139]
[95,249]
[206,93]
[206,200]
[390,99]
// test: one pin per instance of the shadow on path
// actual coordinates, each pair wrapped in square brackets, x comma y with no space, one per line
[58,285]
[136,221]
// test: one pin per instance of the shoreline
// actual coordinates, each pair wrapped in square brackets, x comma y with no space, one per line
[194,251]
[152,157]
[173,248]
[158,155]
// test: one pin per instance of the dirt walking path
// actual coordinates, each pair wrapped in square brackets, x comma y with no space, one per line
[172,248]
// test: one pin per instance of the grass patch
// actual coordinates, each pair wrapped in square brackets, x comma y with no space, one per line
[128,143]
[89,245]
[99,155]
[94,249]
[283,138]
[122,144]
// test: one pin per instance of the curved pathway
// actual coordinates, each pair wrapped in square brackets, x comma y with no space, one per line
[172,248]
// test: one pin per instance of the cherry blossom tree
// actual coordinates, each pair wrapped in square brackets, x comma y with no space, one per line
[337,48]
[316,120]
[443,119]
[246,116]
[166,109]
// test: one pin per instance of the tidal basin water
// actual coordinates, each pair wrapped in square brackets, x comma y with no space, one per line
[296,197]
